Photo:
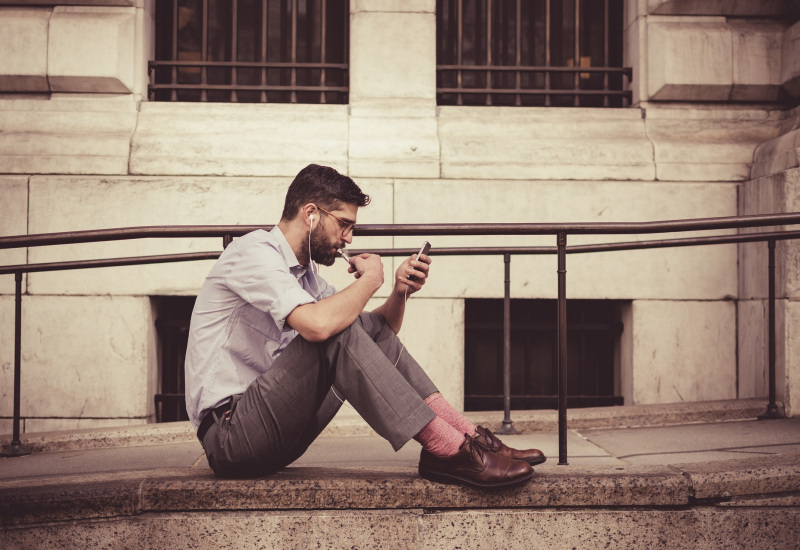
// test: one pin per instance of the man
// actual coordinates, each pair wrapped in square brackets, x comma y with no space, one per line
[274,350]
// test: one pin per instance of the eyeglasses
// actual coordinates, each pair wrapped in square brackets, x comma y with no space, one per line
[347,227]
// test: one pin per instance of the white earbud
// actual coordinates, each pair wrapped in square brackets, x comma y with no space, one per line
[311,217]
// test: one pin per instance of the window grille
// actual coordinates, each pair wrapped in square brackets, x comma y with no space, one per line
[561,53]
[251,51]
[594,328]
[172,327]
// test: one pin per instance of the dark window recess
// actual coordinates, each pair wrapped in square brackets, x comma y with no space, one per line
[559,53]
[251,51]
[172,326]
[593,335]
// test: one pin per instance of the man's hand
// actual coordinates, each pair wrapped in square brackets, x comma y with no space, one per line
[411,266]
[368,267]
[318,321]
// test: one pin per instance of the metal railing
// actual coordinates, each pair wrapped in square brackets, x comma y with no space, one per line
[560,230]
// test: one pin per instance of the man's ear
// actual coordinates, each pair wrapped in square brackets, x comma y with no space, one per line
[309,212]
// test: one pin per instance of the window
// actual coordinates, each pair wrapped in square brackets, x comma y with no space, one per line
[251,51]
[593,334]
[561,53]
[173,314]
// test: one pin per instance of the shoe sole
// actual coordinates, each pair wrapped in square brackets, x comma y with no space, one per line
[535,461]
[449,478]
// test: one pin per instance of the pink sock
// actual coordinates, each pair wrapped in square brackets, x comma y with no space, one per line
[446,412]
[440,438]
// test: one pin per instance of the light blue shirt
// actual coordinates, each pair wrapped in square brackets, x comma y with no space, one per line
[238,325]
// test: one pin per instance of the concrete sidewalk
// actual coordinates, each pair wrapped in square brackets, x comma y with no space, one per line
[701,432]
[662,445]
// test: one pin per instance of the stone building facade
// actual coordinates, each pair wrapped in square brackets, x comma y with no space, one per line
[713,129]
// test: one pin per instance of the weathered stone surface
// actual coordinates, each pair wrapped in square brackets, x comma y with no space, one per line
[756,57]
[7,359]
[781,152]
[665,273]
[752,380]
[695,528]
[790,60]
[773,529]
[683,351]
[75,136]
[390,142]
[75,498]
[748,476]
[87,356]
[739,8]
[625,500]
[673,42]
[393,6]
[439,346]
[320,488]
[791,354]
[91,49]
[405,41]
[278,530]
[706,144]
[23,49]
[100,438]
[65,203]
[712,59]
[238,139]
[531,143]
[13,221]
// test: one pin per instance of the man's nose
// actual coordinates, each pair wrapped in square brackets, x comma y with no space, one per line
[348,238]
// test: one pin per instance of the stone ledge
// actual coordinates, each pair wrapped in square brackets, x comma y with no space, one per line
[69,498]
[736,478]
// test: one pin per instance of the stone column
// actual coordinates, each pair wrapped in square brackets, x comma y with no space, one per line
[693,51]
[774,187]
[393,129]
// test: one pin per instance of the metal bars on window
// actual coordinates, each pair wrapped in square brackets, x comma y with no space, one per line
[251,51]
[561,53]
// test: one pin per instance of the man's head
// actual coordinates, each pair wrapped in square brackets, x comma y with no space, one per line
[323,186]
[325,203]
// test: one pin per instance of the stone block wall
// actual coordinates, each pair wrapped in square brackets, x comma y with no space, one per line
[82,148]
[699,51]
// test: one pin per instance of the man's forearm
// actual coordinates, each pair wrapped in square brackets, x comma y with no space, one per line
[393,310]
[319,321]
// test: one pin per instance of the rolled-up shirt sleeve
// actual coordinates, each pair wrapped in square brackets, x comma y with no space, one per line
[263,279]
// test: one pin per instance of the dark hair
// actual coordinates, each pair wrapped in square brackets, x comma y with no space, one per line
[323,186]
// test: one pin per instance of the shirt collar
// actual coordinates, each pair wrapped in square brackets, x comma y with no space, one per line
[288,254]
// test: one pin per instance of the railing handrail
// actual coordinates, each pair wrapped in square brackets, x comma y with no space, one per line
[419,229]
[438,251]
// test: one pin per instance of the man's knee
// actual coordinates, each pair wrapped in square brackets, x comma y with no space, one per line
[372,323]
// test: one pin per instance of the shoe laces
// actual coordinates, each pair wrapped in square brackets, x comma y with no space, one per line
[490,442]
[475,449]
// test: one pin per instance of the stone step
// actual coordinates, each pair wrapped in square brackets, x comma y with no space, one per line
[750,502]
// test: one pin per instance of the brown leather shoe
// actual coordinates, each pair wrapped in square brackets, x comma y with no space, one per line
[473,465]
[486,439]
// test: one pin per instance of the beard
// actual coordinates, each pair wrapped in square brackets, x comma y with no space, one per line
[322,250]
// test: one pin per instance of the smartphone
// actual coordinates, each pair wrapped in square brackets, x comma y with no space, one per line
[426,247]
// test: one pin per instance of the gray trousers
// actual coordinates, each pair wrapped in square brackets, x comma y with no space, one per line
[281,413]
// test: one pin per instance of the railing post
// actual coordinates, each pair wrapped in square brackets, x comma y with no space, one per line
[772,406]
[562,349]
[507,426]
[16,449]
[226,240]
